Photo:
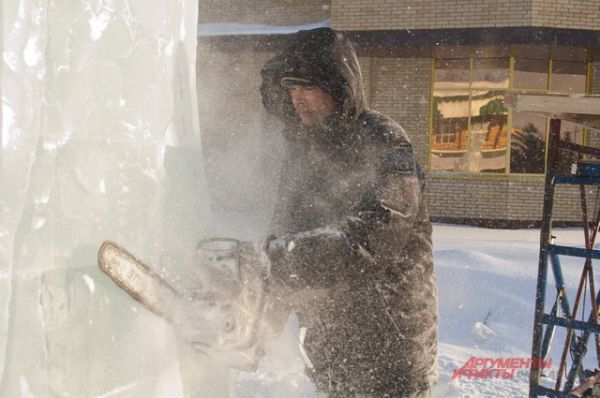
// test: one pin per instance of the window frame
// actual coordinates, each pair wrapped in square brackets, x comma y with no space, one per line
[472,57]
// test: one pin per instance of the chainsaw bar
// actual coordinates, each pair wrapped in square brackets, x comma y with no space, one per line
[137,279]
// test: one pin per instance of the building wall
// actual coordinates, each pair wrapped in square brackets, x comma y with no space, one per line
[423,14]
[406,14]
[400,88]
[572,14]
[264,12]
[488,199]
[428,14]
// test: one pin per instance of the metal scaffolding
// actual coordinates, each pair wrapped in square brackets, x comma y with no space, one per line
[578,324]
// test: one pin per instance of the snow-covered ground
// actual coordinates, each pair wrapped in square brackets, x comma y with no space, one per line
[486,273]
[484,276]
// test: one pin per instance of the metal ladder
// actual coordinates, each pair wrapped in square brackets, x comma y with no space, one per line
[563,314]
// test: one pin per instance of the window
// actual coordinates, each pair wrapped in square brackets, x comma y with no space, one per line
[531,68]
[470,124]
[469,117]
[528,143]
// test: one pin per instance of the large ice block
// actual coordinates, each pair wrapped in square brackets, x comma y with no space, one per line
[99,141]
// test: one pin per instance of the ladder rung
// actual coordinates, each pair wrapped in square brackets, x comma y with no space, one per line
[572,324]
[576,180]
[573,251]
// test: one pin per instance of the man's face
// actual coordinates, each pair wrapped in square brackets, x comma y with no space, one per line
[311,103]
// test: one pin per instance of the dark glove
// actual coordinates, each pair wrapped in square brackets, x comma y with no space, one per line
[315,257]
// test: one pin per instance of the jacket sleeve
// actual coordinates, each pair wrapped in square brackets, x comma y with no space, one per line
[399,196]
[376,232]
[313,257]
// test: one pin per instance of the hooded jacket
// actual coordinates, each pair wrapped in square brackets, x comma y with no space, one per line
[363,287]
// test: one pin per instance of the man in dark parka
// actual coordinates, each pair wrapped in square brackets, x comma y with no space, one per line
[357,265]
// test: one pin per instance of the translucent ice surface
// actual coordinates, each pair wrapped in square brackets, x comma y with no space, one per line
[99,142]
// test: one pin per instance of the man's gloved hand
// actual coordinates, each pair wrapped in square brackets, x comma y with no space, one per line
[315,257]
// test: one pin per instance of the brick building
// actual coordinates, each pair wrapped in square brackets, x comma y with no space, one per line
[440,68]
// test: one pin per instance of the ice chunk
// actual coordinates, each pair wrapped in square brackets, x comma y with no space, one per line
[482,333]
[87,90]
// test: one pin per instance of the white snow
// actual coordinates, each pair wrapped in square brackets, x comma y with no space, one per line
[482,333]
[230,28]
[487,271]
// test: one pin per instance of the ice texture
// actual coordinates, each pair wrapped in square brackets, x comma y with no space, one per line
[99,141]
